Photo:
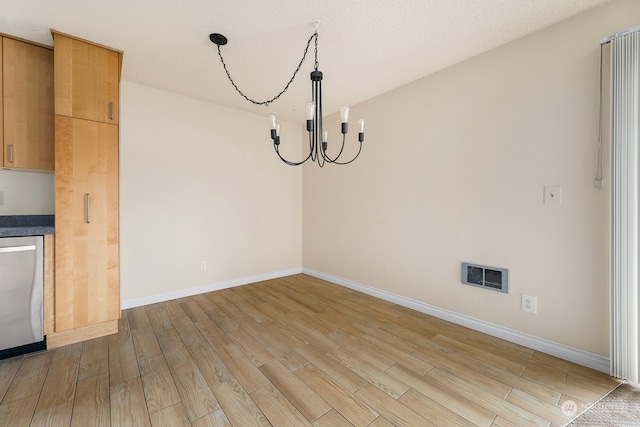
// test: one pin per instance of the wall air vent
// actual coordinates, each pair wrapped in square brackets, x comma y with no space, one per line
[485,277]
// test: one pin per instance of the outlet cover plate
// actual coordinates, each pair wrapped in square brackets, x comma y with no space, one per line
[529,304]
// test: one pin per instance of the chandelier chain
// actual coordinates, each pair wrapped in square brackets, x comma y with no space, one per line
[266,103]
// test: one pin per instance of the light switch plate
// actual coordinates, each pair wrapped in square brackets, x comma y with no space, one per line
[1,198]
[552,194]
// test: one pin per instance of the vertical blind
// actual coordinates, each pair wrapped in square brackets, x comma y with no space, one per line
[624,118]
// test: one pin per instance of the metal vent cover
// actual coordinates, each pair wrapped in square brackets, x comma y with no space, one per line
[485,277]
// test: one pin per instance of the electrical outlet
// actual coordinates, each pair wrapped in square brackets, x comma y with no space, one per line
[529,304]
[203,265]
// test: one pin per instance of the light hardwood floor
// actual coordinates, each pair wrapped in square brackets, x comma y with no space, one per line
[294,351]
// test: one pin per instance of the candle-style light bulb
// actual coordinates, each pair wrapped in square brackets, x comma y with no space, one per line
[361,130]
[272,125]
[325,136]
[277,129]
[311,109]
[344,113]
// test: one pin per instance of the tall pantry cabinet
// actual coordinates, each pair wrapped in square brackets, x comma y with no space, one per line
[87,274]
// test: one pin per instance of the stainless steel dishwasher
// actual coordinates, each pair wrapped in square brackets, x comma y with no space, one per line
[21,295]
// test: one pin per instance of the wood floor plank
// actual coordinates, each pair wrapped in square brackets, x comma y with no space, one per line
[18,413]
[286,355]
[210,364]
[145,343]
[127,404]
[492,403]
[332,419]
[171,416]
[193,310]
[544,409]
[277,408]
[216,418]
[138,318]
[188,331]
[465,408]
[29,378]
[240,319]
[299,394]
[60,385]
[394,411]
[8,370]
[251,347]
[91,404]
[238,406]
[365,351]
[159,318]
[433,411]
[531,387]
[123,364]
[339,373]
[477,377]
[159,388]
[174,309]
[173,348]
[352,409]
[212,333]
[242,368]
[94,358]
[59,415]
[379,378]
[197,397]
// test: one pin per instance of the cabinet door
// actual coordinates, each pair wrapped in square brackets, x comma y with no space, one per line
[87,79]
[28,105]
[86,235]
[1,112]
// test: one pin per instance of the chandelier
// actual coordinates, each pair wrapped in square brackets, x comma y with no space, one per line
[317,135]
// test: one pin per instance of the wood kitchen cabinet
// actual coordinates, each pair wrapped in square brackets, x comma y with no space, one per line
[27,111]
[87,81]
[86,185]
[87,273]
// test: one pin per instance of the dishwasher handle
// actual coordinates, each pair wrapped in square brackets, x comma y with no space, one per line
[17,249]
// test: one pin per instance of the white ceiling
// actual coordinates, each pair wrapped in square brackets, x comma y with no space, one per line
[365,47]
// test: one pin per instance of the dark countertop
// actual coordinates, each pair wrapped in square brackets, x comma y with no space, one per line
[26,225]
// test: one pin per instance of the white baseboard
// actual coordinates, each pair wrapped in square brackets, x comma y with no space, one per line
[581,357]
[182,293]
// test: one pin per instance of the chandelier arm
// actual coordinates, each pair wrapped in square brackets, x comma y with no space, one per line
[346,163]
[288,162]
[266,103]
[329,159]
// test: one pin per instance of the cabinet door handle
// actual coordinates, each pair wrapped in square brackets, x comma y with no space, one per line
[87,214]
[111,110]
[10,153]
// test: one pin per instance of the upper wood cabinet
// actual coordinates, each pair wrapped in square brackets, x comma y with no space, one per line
[87,80]
[27,111]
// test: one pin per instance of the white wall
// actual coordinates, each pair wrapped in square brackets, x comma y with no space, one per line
[200,182]
[453,170]
[26,193]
